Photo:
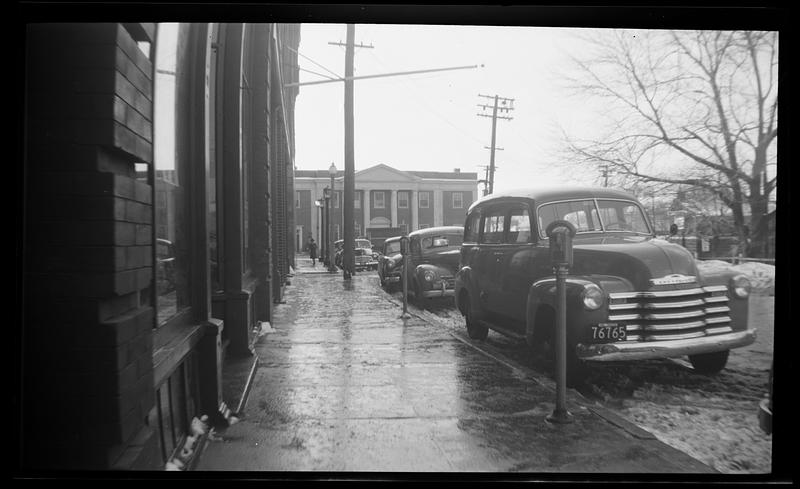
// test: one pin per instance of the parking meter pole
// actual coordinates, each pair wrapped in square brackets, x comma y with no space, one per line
[404,251]
[560,234]
[405,314]
[560,414]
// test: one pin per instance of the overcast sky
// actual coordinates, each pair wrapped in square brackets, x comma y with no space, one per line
[429,121]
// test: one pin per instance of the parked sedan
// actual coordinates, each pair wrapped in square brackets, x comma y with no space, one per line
[433,261]
[390,263]
[365,257]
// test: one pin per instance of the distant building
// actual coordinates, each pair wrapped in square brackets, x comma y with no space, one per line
[385,197]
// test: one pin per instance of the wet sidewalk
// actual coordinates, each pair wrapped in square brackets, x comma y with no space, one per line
[344,384]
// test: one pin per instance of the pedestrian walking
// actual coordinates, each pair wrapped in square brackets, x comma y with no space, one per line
[312,251]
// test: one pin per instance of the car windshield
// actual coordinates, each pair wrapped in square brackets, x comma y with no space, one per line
[607,215]
[363,243]
[441,241]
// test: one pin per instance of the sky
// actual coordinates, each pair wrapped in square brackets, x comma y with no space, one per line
[430,121]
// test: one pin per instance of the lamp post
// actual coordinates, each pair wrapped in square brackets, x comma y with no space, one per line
[331,265]
[326,192]
[319,204]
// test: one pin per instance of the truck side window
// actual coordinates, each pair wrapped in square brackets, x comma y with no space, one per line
[519,226]
[494,226]
[472,227]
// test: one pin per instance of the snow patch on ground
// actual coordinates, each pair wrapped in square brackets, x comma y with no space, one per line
[728,440]
[761,275]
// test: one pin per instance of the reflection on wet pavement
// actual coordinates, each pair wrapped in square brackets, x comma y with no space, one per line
[345,384]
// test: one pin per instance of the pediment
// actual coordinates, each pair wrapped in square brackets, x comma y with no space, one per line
[384,173]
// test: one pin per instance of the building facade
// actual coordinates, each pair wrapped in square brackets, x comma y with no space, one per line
[158,219]
[385,197]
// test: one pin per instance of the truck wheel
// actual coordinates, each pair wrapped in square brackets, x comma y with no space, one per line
[475,330]
[709,363]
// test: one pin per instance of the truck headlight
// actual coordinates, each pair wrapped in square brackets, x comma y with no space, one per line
[740,286]
[429,276]
[592,297]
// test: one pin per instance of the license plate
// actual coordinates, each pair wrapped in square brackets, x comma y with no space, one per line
[606,333]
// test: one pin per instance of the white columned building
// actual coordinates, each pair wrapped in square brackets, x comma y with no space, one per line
[439,187]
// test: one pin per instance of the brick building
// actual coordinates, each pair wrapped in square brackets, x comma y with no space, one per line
[408,200]
[158,184]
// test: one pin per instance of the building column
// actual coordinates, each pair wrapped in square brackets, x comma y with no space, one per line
[365,203]
[414,203]
[438,208]
[393,204]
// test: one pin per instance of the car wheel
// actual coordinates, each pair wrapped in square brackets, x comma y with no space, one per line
[709,363]
[475,329]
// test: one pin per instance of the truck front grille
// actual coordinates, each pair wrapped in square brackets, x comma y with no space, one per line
[671,314]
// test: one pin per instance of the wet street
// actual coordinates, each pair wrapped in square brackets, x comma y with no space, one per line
[345,384]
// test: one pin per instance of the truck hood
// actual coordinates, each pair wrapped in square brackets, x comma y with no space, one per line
[635,258]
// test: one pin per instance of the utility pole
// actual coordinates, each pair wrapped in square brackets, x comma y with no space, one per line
[505,105]
[605,175]
[348,258]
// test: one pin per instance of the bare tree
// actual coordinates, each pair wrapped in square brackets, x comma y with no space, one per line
[695,108]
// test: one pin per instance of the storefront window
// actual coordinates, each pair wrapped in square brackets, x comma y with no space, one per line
[172,291]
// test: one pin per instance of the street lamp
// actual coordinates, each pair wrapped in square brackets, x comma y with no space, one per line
[331,265]
[320,203]
[328,241]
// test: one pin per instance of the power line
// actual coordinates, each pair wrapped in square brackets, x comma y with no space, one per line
[309,71]
[306,57]
[424,103]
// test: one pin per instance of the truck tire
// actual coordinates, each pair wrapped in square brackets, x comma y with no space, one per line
[709,363]
[475,329]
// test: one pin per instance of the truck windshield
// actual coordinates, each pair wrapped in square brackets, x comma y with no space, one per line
[595,216]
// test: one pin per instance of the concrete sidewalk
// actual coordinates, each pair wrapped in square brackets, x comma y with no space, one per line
[344,384]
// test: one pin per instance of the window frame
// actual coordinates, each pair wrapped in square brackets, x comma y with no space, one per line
[427,195]
[401,196]
[460,200]
[382,199]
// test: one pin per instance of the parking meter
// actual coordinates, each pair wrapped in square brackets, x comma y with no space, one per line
[404,251]
[404,245]
[561,233]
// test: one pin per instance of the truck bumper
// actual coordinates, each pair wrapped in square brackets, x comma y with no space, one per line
[635,350]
